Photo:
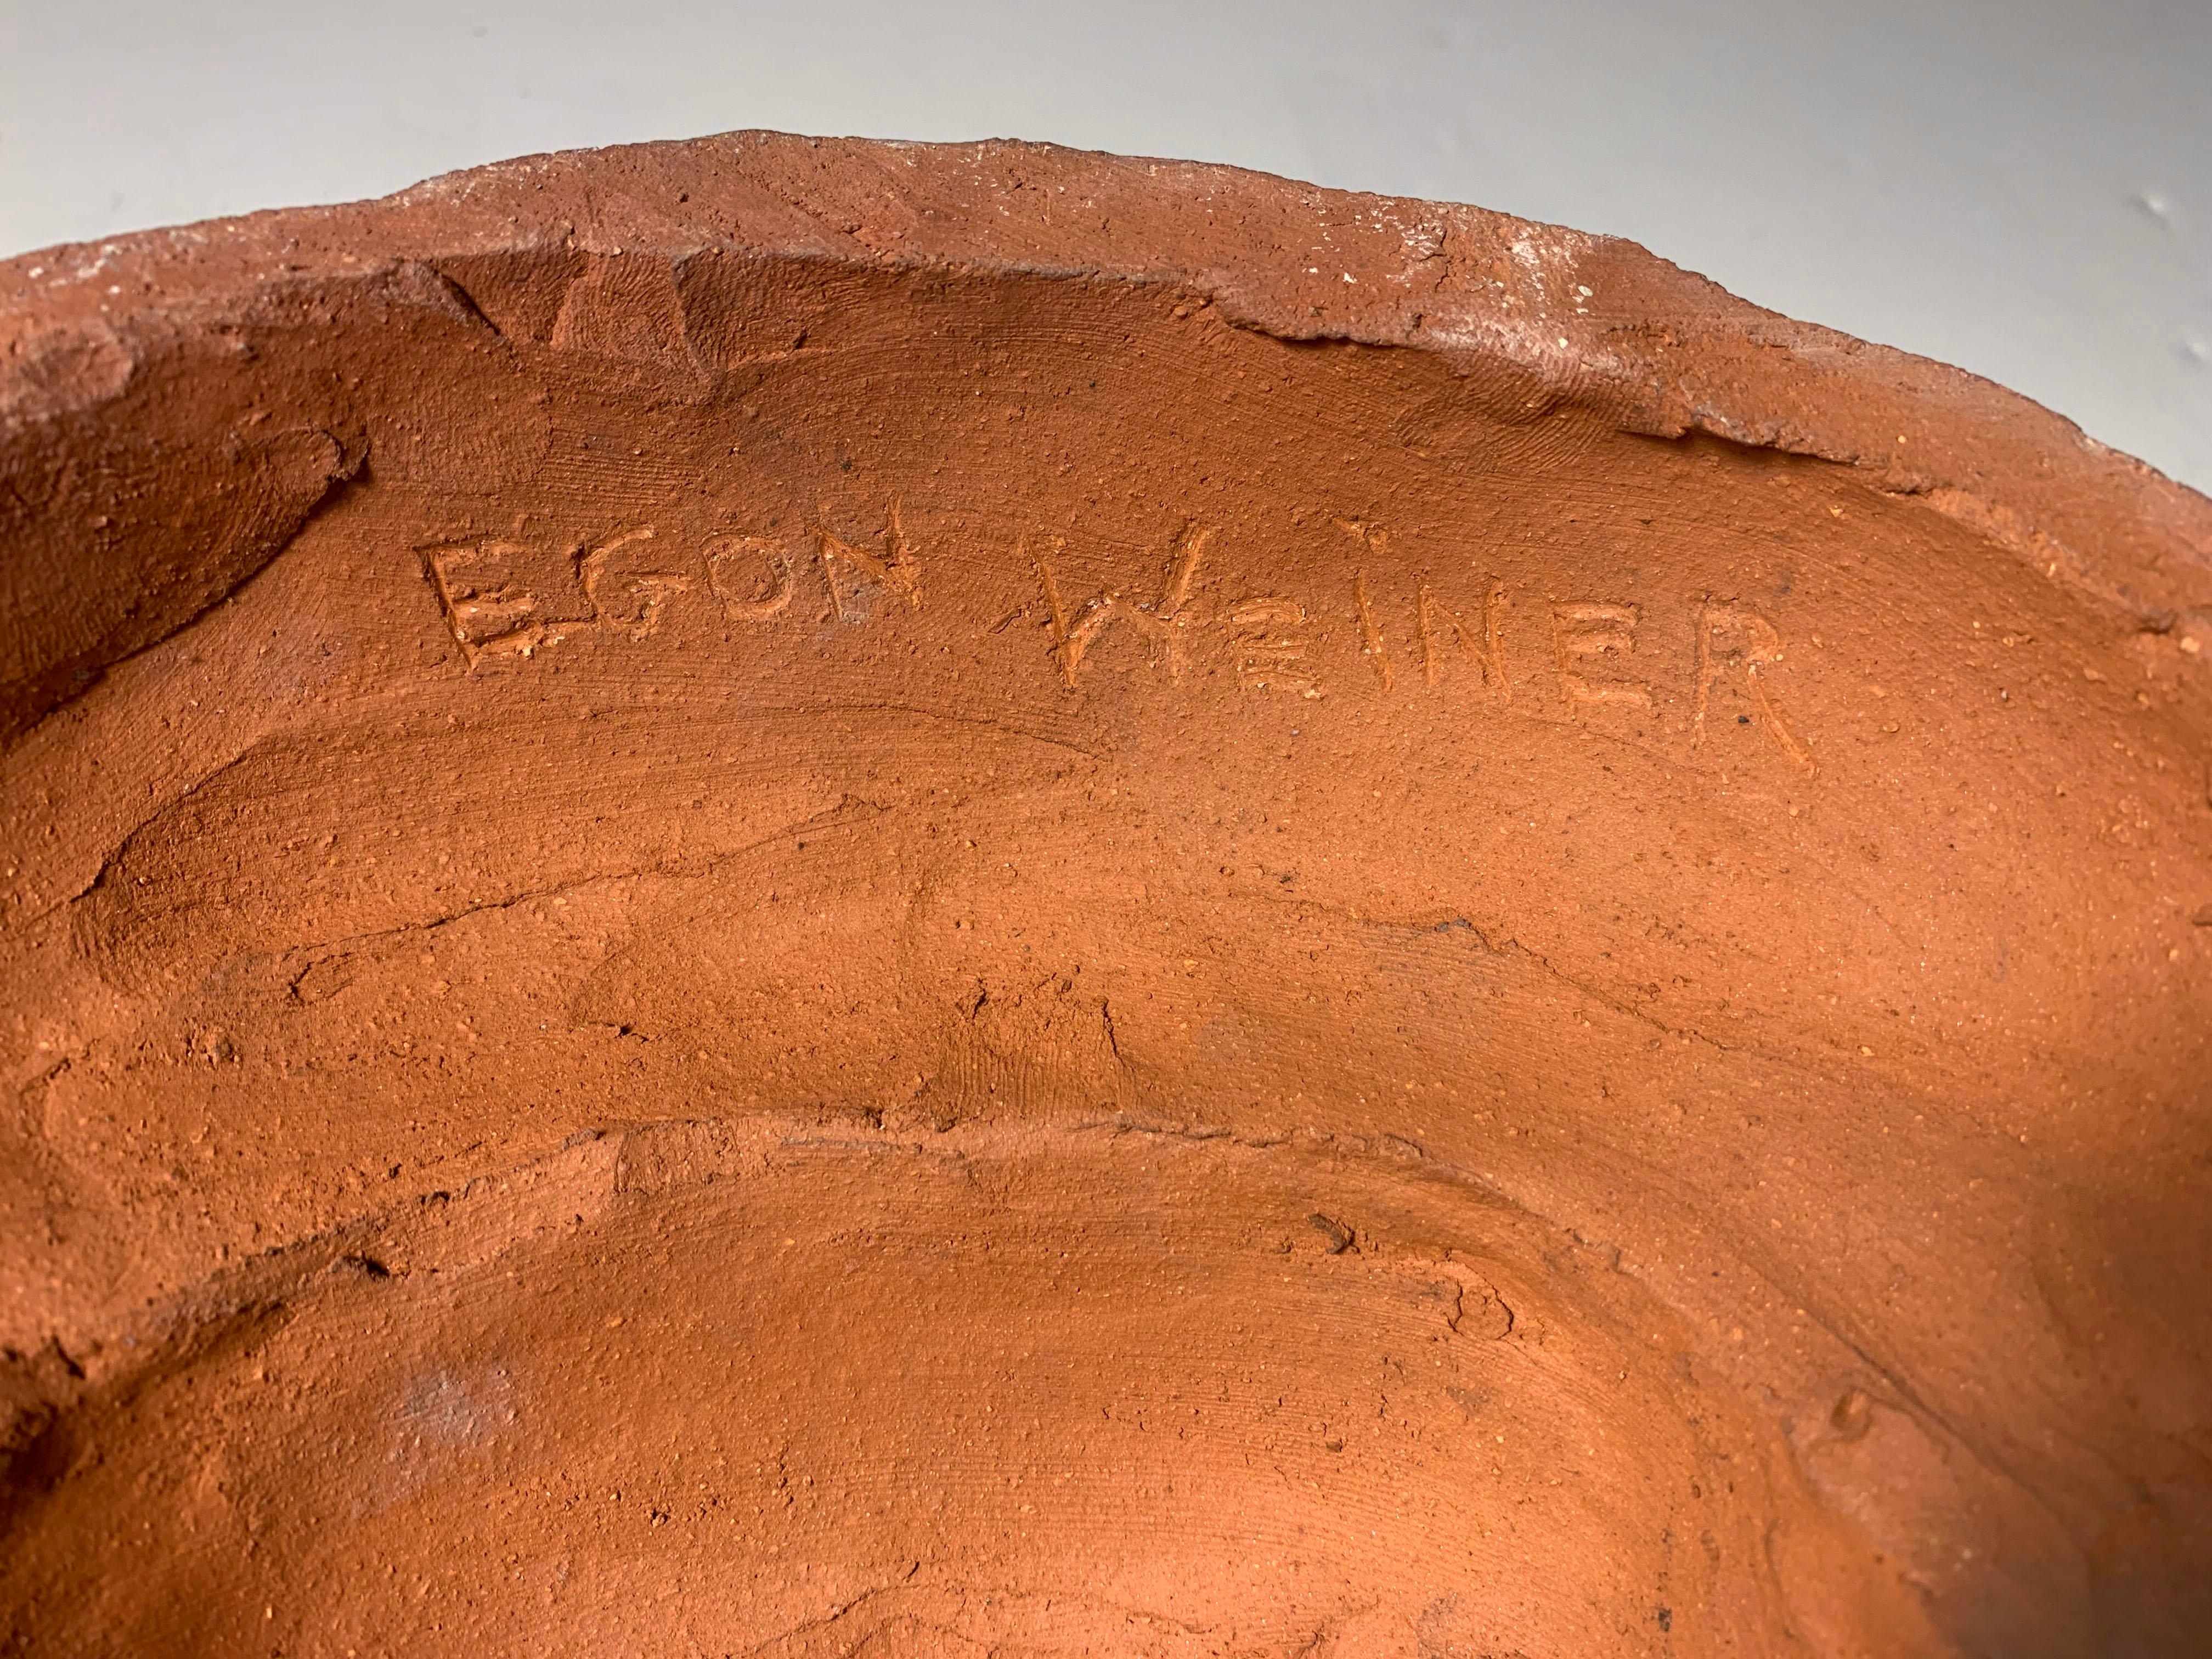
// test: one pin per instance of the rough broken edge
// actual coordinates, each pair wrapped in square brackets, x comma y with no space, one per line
[1596,319]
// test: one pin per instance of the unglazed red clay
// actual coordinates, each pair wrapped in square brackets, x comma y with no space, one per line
[813,899]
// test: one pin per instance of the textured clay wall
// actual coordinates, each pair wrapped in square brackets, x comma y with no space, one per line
[817,898]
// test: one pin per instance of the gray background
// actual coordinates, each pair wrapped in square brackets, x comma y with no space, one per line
[2022,188]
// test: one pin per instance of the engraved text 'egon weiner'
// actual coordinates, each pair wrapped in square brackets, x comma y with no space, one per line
[491,594]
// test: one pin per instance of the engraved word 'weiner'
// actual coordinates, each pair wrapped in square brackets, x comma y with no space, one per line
[1074,629]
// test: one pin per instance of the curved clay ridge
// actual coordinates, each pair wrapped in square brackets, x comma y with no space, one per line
[815,898]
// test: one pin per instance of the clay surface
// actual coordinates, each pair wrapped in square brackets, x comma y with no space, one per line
[813,899]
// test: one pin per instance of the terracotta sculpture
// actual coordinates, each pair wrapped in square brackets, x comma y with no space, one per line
[805,898]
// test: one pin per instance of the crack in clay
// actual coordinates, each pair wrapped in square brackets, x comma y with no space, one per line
[830,1620]
[1512,949]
